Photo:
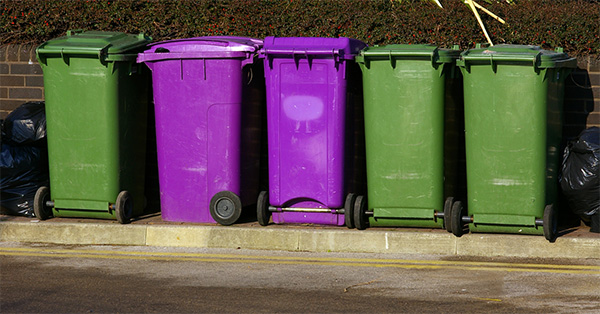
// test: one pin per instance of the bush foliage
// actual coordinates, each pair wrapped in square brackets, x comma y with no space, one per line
[573,25]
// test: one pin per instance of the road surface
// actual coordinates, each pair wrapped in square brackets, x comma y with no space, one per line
[88,279]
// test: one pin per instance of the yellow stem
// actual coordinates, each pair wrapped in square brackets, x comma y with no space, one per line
[480,22]
[489,13]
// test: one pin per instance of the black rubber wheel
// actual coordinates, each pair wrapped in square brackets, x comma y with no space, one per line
[40,209]
[225,208]
[447,213]
[349,210]
[360,217]
[456,219]
[124,207]
[263,214]
[550,223]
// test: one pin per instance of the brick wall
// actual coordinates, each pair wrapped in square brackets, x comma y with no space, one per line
[582,97]
[21,77]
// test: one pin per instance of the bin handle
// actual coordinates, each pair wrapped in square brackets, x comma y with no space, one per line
[402,53]
[74,31]
[535,60]
[432,55]
[101,53]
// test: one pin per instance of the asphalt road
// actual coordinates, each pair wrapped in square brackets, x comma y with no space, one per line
[97,279]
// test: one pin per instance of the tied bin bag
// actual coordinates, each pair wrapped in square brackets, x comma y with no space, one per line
[23,159]
[580,177]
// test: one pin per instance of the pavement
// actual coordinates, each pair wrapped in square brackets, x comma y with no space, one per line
[150,230]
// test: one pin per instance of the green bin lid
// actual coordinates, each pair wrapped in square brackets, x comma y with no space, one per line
[517,54]
[413,52]
[93,43]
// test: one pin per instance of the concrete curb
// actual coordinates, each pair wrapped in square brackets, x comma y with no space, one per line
[300,239]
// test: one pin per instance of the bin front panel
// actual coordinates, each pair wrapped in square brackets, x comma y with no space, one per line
[404,123]
[306,116]
[198,105]
[96,125]
[506,140]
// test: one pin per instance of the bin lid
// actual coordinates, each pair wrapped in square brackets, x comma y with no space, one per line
[517,54]
[413,52]
[341,47]
[94,43]
[201,48]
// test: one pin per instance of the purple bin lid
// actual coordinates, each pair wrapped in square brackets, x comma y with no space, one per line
[212,47]
[341,47]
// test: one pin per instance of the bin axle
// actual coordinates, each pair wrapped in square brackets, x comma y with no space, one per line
[306,210]
[539,222]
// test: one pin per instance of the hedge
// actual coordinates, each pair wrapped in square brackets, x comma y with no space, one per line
[573,25]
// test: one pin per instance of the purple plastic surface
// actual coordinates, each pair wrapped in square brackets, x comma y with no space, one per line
[199,97]
[306,105]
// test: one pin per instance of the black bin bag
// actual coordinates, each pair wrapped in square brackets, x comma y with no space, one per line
[580,176]
[23,158]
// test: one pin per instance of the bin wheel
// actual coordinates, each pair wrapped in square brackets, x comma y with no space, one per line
[447,213]
[349,210]
[225,208]
[263,214]
[124,207]
[458,211]
[550,223]
[360,217]
[40,209]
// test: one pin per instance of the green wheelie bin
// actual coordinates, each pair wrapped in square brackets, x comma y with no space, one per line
[404,90]
[513,125]
[96,108]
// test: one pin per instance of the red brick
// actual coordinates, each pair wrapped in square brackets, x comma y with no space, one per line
[582,63]
[3,53]
[3,92]
[34,80]
[593,119]
[3,68]
[3,114]
[12,80]
[12,53]
[28,53]
[595,79]
[593,64]
[20,68]
[25,93]
[10,104]
[595,105]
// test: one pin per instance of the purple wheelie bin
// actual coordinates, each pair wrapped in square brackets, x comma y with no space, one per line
[306,84]
[207,98]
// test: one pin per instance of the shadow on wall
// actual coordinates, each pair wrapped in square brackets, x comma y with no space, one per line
[578,104]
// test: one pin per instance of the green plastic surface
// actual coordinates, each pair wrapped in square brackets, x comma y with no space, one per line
[104,46]
[96,123]
[513,127]
[532,56]
[404,89]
